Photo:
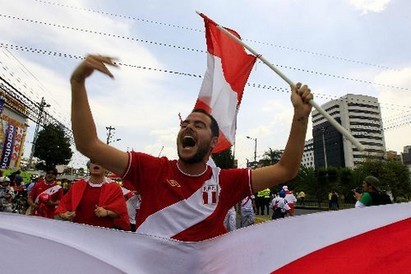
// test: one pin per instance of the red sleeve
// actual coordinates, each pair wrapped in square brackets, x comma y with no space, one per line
[58,196]
[112,198]
[235,185]
[143,169]
[33,192]
[65,203]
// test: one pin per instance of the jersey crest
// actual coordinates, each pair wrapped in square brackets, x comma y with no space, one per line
[210,194]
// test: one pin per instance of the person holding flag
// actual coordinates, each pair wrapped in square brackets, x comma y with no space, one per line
[186,199]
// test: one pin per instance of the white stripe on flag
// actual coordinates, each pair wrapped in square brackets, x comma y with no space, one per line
[228,68]
[223,99]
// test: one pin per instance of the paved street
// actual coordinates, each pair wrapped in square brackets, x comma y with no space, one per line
[263,218]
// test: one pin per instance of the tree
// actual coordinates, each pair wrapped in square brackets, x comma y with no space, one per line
[347,184]
[306,179]
[271,157]
[52,147]
[393,176]
[399,179]
[224,159]
[322,186]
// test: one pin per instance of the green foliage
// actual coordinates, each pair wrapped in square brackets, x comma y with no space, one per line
[347,184]
[52,147]
[24,174]
[399,182]
[224,159]
[394,178]
[306,180]
[270,157]
[393,175]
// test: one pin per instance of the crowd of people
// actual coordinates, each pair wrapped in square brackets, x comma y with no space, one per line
[94,200]
[99,201]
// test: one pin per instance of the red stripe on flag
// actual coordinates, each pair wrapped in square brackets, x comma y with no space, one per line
[201,105]
[222,144]
[383,250]
[228,68]
[237,64]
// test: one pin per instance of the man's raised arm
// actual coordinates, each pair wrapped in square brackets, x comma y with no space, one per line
[83,126]
[289,164]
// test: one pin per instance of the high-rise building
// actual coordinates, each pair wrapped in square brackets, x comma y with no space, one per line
[360,115]
[406,157]
[308,155]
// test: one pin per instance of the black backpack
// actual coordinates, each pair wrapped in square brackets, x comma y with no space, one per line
[380,198]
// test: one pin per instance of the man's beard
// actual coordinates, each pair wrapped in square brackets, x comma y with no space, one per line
[202,151]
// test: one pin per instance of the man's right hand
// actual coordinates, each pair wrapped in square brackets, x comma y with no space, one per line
[91,63]
[68,215]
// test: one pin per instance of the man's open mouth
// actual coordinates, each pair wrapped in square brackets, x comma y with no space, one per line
[188,142]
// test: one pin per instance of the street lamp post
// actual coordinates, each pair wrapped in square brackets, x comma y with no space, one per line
[324,148]
[255,148]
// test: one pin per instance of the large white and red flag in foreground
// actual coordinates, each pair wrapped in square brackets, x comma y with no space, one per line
[228,68]
[368,240]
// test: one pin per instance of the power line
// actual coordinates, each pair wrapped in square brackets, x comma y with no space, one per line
[128,38]
[59,54]
[201,51]
[30,109]
[198,30]
[9,73]
[118,15]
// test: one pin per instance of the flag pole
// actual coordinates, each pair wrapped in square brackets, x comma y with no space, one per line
[330,119]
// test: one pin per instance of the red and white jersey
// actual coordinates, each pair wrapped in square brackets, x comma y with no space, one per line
[274,202]
[182,207]
[289,196]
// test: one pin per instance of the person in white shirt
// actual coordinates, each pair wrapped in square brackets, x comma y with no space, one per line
[291,200]
[247,211]
[280,206]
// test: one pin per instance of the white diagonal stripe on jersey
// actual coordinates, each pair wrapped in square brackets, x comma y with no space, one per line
[182,215]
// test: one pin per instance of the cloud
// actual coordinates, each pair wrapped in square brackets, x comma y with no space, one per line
[399,79]
[396,107]
[366,6]
[140,101]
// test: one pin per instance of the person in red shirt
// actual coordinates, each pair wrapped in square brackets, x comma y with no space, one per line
[184,199]
[95,201]
[45,195]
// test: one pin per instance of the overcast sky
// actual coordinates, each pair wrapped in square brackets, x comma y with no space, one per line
[336,47]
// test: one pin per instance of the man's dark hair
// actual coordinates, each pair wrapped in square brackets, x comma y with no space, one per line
[52,170]
[215,130]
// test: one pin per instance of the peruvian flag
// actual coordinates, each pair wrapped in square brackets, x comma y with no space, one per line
[228,68]
[374,239]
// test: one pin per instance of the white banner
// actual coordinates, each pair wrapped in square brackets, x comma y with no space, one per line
[38,245]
